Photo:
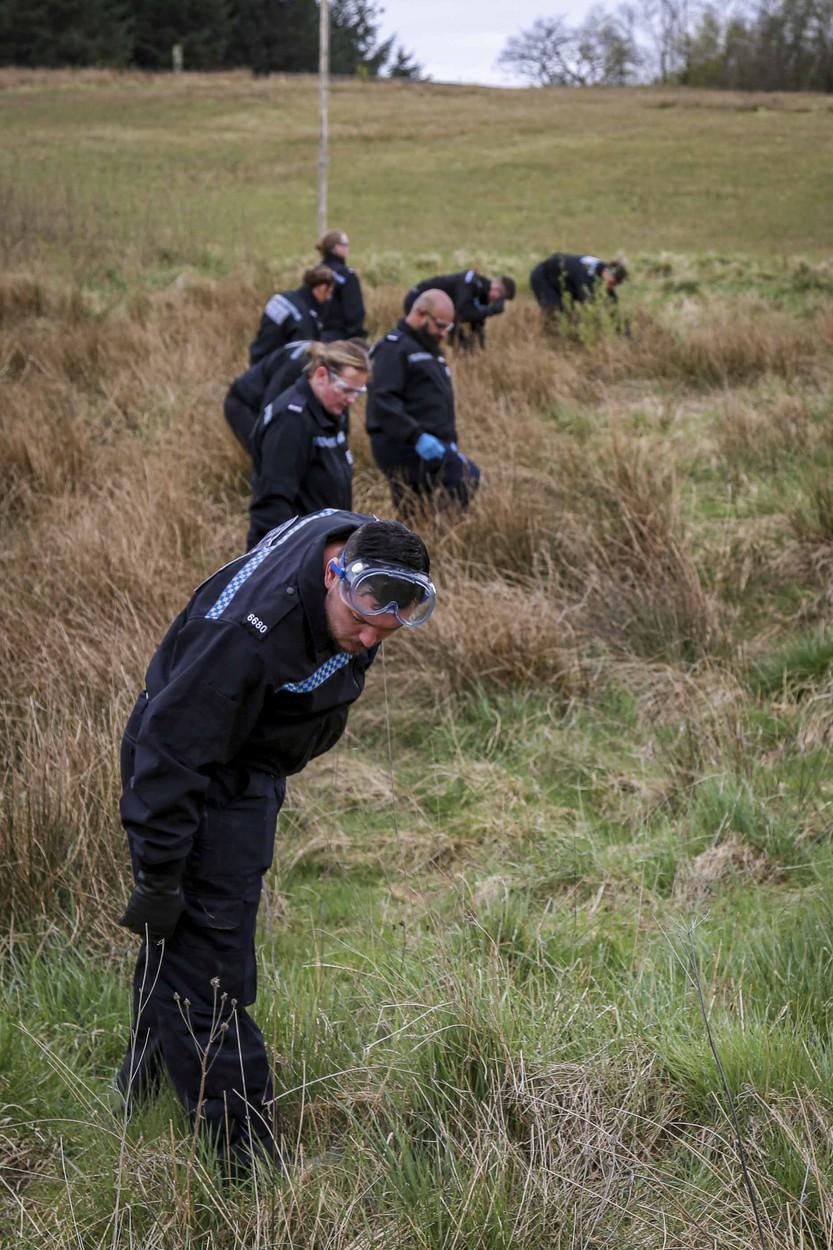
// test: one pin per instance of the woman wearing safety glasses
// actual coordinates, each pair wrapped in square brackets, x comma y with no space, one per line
[302,459]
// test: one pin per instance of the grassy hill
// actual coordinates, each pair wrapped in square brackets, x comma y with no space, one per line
[590,804]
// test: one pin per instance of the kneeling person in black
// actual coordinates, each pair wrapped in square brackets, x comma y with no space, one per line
[410,410]
[261,383]
[563,280]
[475,298]
[302,460]
[253,679]
[290,316]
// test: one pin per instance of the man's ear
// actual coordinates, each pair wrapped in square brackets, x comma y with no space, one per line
[331,573]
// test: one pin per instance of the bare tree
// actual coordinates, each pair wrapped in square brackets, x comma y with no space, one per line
[600,52]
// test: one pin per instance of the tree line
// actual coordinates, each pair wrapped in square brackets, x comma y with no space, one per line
[759,45]
[267,36]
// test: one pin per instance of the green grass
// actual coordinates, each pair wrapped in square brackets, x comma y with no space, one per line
[474,957]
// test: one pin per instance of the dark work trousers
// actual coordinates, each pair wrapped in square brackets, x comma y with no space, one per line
[550,297]
[469,337]
[190,993]
[241,419]
[414,481]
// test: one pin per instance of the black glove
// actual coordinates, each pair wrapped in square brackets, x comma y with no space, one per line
[155,905]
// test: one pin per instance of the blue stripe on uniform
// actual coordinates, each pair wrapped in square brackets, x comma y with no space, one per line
[274,539]
[316,679]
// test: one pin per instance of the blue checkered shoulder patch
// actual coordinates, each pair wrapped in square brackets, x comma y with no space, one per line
[316,679]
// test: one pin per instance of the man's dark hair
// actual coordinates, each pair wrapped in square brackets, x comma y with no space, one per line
[319,275]
[388,541]
[618,270]
[509,286]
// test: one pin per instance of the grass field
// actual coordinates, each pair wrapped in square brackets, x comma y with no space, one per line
[608,792]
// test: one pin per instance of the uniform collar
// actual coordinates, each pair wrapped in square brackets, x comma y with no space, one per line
[313,594]
[421,337]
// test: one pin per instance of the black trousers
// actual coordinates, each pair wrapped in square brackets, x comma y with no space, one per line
[190,993]
[549,296]
[241,419]
[413,481]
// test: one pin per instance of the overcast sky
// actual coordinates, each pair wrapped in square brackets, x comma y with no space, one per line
[459,40]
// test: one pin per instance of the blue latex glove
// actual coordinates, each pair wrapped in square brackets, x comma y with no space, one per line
[427,447]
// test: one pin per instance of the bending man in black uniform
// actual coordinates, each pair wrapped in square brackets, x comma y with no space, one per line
[563,280]
[302,460]
[475,298]
[410,410]
[290,316]
[343,314]
[259,385]
[254,678]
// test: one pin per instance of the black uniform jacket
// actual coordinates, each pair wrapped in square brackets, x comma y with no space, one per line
[288,317]
[247,677]
[468,289]
[301,461]
[343,314]
[576,276]
[270,376]
[411,391]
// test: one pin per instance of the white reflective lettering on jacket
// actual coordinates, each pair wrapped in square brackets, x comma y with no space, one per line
[279,308]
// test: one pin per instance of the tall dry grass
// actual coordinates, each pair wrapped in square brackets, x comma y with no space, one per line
[122,488]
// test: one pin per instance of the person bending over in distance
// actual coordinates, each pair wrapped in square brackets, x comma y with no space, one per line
[343,314]
[300,451]
[475,298]
[254,678]
[410,410]
[290,316]
[259,385]
[562,280]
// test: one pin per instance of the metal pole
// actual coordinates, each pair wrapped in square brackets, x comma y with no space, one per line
[324,88]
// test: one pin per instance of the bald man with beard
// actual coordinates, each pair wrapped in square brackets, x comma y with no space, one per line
[410,410]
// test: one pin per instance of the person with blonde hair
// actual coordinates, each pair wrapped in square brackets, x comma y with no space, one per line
[343,315]
[300,448]
[293,315]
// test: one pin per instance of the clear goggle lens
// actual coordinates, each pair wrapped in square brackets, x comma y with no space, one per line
[379,590]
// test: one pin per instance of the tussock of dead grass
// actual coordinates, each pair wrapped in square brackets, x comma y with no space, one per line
[629,554]
[493,634]
[123,488]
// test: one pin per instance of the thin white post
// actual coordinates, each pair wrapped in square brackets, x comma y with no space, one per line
[323,89]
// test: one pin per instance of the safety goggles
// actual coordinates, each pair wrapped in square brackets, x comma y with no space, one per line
[352,392]
[376,589]
[441,325]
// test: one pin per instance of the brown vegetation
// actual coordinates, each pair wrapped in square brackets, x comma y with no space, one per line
[122,488]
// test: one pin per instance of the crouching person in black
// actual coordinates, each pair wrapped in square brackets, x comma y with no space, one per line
[253,679]
[562,281]
[475,298]
[261,383]
[290,316]
[302,460]
[410,410]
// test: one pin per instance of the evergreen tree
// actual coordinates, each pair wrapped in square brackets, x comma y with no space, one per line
[55,33]
[200,26]
[403,65]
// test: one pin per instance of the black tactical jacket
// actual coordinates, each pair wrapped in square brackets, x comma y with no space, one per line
[301,461]
[271,375]
[411,391]
[246,678]
[343,314]
[288,317]
[575,276]
[469,291]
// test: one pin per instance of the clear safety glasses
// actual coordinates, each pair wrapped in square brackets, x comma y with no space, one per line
[374,589]
[352,392]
